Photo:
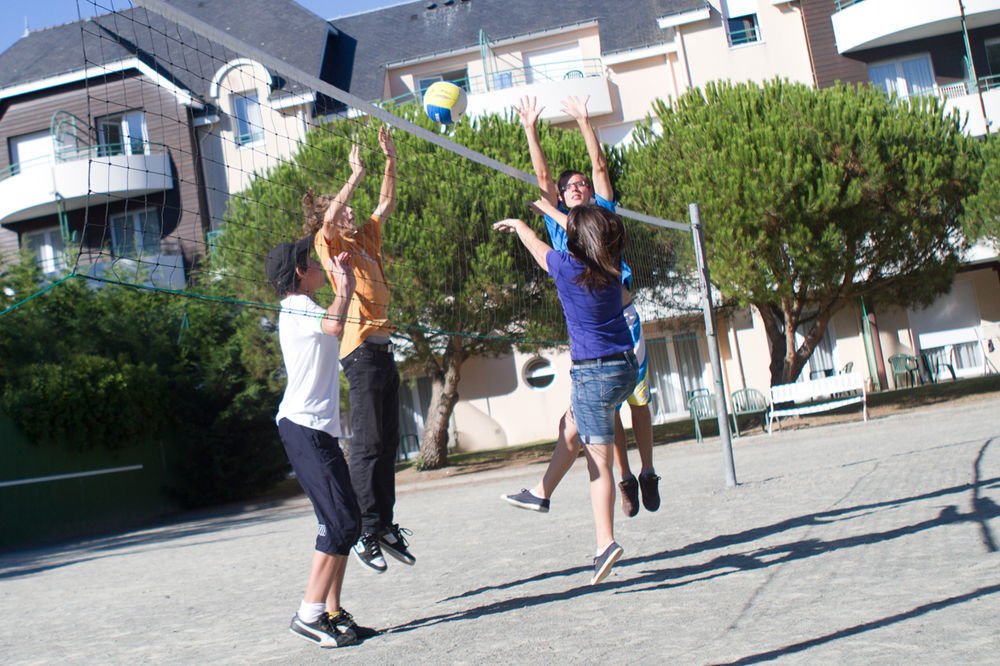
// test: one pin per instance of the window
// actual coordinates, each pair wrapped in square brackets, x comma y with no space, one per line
[136,234]
[123,133]
[249,124]
[48,247]
[913,76]
[31,151]
[674,369]
[539,373]
[820,363]
[742,30]
[993,56]
[552,64]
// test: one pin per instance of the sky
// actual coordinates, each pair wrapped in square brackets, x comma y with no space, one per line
[46,13]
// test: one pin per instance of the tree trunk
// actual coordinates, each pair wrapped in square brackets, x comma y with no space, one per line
[787,359]
[773,327]
[445,375]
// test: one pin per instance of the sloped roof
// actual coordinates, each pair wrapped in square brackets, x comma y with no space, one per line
[281,27]
[423,28]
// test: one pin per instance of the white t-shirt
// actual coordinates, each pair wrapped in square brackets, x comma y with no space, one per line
[312,361]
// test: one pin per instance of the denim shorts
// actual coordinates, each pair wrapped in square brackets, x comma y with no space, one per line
[599,388]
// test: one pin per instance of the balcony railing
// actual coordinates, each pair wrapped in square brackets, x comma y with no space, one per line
[63,155]
[741,36]
[844,4]
[522,76]
[960,89]
[518,77]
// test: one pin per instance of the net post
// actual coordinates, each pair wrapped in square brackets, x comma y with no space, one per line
[721,414]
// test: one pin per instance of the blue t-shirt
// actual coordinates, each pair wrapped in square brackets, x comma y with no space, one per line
[594,320]
[557,235]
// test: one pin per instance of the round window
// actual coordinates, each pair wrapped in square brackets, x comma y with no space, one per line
[539,373]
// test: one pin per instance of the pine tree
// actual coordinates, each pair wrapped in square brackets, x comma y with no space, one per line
[458,288]
[811,198]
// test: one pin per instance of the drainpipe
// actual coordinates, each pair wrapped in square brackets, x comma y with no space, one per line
[971,73]
[874,345]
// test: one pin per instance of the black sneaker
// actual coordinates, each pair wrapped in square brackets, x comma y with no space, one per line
[525,500]
[322,632]
[630,496]
[604,562]
[343,619]
[394,543]
[369,554]
[650,491]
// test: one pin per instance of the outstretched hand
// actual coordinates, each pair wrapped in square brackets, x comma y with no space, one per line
[574,107]
[509,225]
[357,164]
[528,110]
[543,207]
[341,273]
[385,140]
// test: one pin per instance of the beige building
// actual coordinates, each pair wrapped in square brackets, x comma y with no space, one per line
[519,397]
[623,60]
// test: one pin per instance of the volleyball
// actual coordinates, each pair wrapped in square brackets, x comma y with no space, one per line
[445,102]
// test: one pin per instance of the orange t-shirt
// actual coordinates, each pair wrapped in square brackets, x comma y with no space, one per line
[368,310]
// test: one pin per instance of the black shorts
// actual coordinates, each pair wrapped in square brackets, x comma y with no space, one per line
[322,472]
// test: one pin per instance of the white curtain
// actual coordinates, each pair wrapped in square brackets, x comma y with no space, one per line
[883,76]
[919,75]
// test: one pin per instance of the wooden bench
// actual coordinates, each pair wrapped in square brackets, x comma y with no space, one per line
[817,395]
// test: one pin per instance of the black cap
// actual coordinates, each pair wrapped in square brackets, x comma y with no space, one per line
[281,262]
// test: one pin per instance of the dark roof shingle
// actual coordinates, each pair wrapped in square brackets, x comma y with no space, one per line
[282,27]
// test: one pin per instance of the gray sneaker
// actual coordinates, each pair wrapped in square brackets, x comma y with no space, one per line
[604,562]
[525,500]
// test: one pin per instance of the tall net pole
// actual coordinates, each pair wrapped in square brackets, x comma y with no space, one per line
[713,345]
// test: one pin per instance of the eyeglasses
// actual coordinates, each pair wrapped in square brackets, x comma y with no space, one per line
[575,185]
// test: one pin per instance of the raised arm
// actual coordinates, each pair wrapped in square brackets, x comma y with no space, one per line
[543,207]
[342,275]
[387,196]
[339,202]
[528,111]
[598,162]
[536,246]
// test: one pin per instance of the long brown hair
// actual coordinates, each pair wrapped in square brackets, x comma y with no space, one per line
[313,210]
[596,237]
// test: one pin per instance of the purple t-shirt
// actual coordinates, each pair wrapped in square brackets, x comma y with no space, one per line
[594,320]
[557,235]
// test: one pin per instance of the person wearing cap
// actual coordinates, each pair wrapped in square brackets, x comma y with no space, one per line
[366,355]
[309,424]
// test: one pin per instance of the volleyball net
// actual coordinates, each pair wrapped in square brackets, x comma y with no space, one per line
[199,145]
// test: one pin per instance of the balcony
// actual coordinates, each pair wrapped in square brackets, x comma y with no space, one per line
[964,97]
[497,92]
[78,178]
[865,24]
[550,85]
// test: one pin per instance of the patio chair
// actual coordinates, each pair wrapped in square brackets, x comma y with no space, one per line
[690,393]
[905,367]
[934,362]
[749,402]
[702,408]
